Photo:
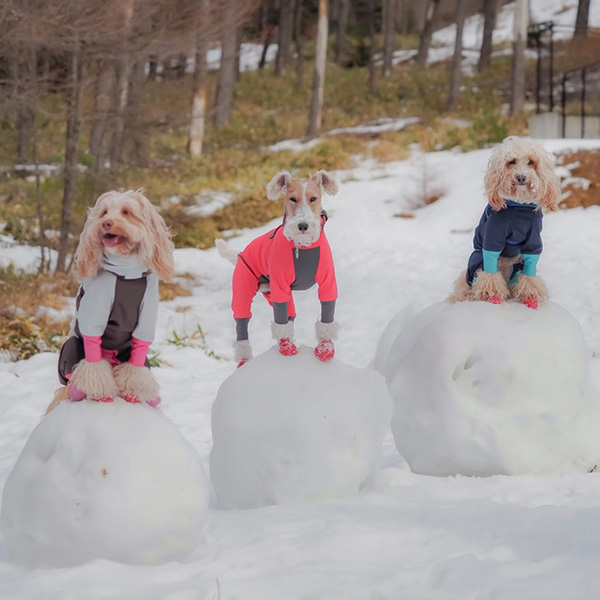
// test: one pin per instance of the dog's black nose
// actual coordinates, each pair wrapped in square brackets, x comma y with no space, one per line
[521,179]
[107,224]
[302,226]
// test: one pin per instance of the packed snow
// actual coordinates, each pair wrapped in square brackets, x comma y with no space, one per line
[313,433]
[112,481]
[481,389]
[404,535]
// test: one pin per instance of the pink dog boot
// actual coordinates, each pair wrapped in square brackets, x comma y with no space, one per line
[105,400]
[287,347]
[531,303]
[154,403]
[325,351]
[75,394]
[495,300]
[132,399]
[242,362]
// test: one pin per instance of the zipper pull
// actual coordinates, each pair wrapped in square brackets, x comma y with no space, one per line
[296,250]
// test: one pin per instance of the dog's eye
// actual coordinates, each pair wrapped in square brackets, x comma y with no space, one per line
[293,200]
[530,163]
[125,212]
[512,162]
[313,199]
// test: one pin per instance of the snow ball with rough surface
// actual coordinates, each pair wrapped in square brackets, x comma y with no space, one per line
[112,481]
[294,430]
[481,389]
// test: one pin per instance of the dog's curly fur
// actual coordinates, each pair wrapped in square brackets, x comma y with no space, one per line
[125,223]
[524,158]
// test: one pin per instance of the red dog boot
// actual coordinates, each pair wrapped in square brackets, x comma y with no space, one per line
[287,347]
[531,303]
[242,362]
[495,300]
[102,399]
[132,399]
[325,351]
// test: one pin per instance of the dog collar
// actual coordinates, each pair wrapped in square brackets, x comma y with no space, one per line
[515,203]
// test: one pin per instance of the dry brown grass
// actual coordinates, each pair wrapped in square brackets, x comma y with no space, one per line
[588,168]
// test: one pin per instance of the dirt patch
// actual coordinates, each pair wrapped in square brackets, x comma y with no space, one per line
[582,186]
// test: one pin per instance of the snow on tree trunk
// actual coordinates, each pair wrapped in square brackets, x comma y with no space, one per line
[482,389]
[294,430]
[104,481]
[316,106]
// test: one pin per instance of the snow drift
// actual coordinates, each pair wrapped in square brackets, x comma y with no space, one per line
[481,389]
[113,481]
[292,430]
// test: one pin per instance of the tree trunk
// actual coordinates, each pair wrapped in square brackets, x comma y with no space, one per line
[433,9]
[457,60]
[138,133]
[518,72]
[583,13]
[316,106]
[74,106]
[372,48]
[298,42]
[390,38]
[125,66]
[341,29]
[199,101]
[269,25]
[227,73]
[490,9]
[105,90]
[286,31]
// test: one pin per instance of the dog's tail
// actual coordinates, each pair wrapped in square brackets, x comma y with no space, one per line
[60,396]
[226,252]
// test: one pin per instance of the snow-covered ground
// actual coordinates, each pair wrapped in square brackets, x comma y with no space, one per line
[406,535]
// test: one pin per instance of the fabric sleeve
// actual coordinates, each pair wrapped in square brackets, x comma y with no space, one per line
[534,245]
[96,304]
[328,291]
[281,272]
[146,325]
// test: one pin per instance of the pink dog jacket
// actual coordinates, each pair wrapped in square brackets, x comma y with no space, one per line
[273,259]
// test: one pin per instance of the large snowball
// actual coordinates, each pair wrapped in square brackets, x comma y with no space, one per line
[114,481]
[291,430]
[482,389]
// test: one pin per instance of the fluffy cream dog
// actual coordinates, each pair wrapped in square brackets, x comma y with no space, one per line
[124,249]
[520,184]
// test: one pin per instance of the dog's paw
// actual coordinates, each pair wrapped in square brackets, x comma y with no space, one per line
[531,303]
[489,286]
[287,347]
[530,288]
[136,384]
[242,362]
[325,351]
[495,300]
[93,380]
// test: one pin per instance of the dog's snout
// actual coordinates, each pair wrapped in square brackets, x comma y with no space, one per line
[521,179]
[303,226]
[106,225]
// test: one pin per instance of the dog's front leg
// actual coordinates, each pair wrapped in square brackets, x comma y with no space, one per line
[530,288]
[93,380]
[137,385]
[490,287]
[284,334]
[326,334]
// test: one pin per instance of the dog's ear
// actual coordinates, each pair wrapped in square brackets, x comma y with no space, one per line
[88,256]
[327,182]
[278,185]
[162,261]
[493,179]
[553,193]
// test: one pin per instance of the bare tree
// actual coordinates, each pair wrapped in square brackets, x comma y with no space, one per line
[456,76]
[433,9]
[372,49]
[106,83]
[228,70]
[298,42]
[581,22]
[518,70]
[341,28]
[316,105]
[490,10]
[269,20]
[200,81]
[285,37]
[390,37]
